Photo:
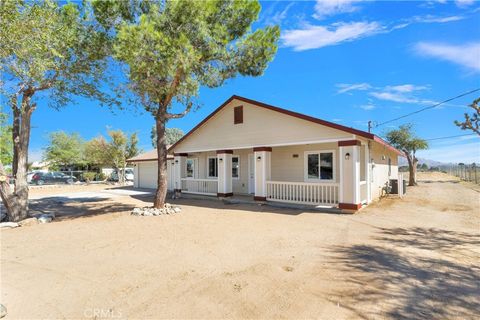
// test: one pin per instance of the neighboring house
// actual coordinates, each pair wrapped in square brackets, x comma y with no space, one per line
[250,148]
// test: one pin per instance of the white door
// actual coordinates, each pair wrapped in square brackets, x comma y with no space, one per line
[170,175]
[251,173]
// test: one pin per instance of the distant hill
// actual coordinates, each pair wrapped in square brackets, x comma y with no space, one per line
[430,163]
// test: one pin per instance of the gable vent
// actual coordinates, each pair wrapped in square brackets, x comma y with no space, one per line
[238,115]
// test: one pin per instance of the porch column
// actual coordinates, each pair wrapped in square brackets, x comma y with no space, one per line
[349,193]
[262,159]
[224,160]
[136,175]
[180,170]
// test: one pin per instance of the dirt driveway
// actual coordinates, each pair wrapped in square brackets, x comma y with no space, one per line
[416,257]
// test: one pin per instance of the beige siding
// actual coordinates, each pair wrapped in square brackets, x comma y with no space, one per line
[286,167]
[260,127]
[380,171]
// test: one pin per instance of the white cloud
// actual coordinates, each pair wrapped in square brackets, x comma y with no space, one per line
[392,96]
[405,88]
[279,16]
[466,55]
[464,3]
[434,19]
[367,107]
[324,8]
[314,37]
[345,87]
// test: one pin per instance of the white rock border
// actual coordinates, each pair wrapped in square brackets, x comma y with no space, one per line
[150,211]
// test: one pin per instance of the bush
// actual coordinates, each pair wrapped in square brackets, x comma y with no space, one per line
[101,176]
[89,176]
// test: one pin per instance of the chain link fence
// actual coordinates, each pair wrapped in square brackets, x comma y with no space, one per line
[466,172]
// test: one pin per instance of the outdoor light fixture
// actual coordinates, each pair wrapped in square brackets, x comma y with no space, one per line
[347,156]
[221,159]
[259,158]
[176,161]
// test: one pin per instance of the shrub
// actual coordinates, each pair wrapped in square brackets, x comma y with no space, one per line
[89,176]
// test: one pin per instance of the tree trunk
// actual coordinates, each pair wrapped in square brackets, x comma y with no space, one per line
[412,169]
[161,192]
[16,203]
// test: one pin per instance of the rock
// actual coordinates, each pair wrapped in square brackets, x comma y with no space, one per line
[9,225]
[150,211]
[3,311]
[44,218]
[177,209]
[28,222]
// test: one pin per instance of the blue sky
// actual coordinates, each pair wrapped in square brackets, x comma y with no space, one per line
[342,61]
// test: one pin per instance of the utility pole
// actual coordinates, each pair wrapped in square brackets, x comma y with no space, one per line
[369,126]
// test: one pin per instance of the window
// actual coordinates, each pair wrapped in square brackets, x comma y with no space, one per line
[212,167]
[236,167]
[190,168]
[238,115]
[319,166]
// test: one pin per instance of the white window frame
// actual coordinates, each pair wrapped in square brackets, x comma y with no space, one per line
[195,162]
[236,178]
[334,166]
[208,167]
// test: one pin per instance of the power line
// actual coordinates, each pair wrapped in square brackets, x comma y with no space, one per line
[430,107]
[460,135]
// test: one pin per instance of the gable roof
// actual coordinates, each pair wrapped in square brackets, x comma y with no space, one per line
[329,124]
[147,156]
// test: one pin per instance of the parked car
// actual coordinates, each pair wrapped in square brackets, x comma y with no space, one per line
[40,178]
[129,175]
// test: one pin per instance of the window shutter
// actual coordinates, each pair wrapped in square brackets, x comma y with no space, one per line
[238,115]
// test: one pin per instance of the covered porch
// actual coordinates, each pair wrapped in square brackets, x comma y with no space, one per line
[332,174]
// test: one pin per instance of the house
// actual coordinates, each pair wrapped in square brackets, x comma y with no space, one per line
[247,147]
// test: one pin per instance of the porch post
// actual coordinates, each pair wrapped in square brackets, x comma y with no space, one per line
[262,159]
[136,172]
[180,169]
[224,159]
[368,172]
[349,194]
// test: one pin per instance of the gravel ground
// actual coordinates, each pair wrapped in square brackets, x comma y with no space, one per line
[416,257]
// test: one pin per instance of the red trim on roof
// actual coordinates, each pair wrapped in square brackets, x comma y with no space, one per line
[293,114]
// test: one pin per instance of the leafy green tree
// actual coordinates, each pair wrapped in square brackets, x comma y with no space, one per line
[404,139]
[114,152]
[172,135]
[49,52]
[471,122]
[173,47]
[6,143]
[64,150]
[424,167]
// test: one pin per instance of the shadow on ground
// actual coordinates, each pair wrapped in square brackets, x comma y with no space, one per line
[415,281]
[65,210]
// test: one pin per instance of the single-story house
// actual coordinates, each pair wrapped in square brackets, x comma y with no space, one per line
[247,147]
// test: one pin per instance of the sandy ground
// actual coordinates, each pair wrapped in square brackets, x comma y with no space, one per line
[416,257]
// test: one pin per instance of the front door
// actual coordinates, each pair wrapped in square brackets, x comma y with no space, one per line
[251,173]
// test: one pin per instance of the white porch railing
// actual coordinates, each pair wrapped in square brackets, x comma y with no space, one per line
[200,186]
[303,192]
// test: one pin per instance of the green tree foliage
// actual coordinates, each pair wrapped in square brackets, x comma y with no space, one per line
[172,135]
[115,152]
[50,51]
[405,140]
[64,150]
[173,47]
[6,143]
[471,122]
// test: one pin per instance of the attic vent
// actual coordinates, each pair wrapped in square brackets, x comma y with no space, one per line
[238,115]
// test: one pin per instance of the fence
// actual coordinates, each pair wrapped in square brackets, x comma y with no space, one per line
[466,172]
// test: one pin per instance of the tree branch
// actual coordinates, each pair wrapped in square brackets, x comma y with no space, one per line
[180,115]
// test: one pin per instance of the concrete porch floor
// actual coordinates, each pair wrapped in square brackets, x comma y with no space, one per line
[248,199]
